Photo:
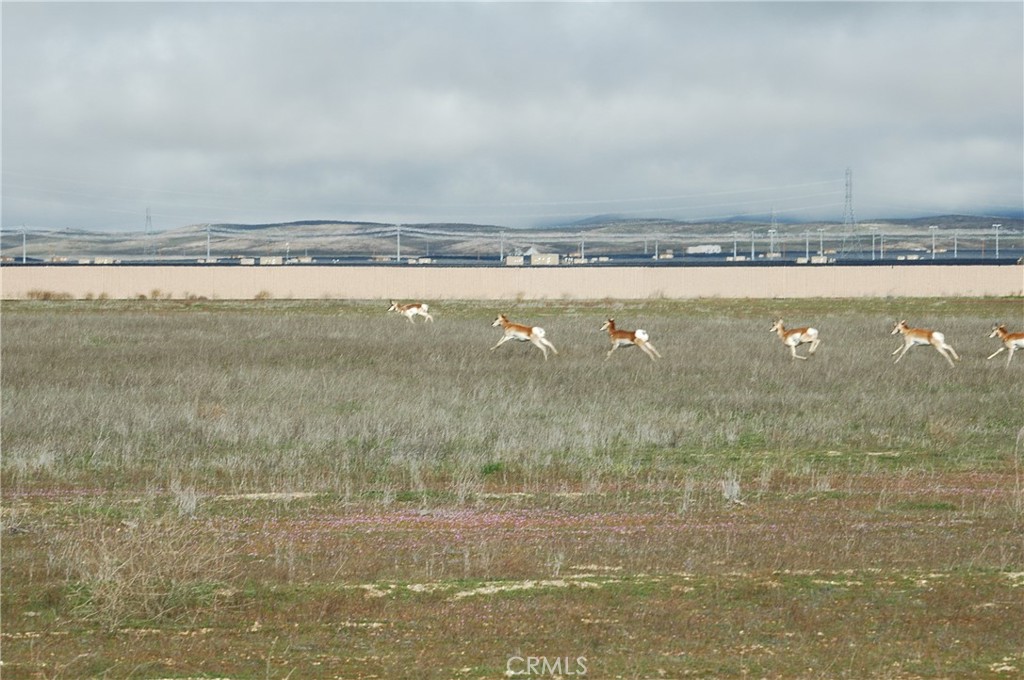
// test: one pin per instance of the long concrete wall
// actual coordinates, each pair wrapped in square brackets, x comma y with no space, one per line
[506,283]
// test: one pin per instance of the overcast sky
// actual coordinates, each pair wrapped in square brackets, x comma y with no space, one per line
[507,113]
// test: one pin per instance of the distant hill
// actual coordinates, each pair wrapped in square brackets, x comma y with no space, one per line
[325,238]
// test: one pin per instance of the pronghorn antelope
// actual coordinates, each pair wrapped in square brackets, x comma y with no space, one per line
[516,331]
[639,337]
[795,337]
[922,336]
[1011,341]
[412,309]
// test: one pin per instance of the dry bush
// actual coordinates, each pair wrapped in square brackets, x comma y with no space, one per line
[48,295]
[143,570]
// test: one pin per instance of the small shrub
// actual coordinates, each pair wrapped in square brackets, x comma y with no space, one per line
[731,488]
[144,570]
[186,499]
[492,468]
[48,295]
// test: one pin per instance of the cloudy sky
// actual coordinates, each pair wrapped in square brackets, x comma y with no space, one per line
[507,113]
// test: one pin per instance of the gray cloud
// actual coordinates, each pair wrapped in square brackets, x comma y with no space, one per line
[505,112]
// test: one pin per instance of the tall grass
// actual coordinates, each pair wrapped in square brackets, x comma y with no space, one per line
[726,511]
[341,397]
[155,569]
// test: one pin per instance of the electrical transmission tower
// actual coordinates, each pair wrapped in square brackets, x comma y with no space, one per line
[148,249]
[849,221]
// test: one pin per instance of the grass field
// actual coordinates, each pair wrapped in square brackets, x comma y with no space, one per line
[275,489]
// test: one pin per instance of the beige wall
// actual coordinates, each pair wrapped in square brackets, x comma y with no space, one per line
[504,283]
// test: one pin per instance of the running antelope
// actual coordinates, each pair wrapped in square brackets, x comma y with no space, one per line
[795,337]
[1011,341]
[922,336]
[639,337]
[412,309]
[517,331]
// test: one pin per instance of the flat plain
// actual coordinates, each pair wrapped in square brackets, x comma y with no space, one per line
[318,489]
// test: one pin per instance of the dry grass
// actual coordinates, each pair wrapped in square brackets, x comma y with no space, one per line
[440,509]
[328,397]
[155,570]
